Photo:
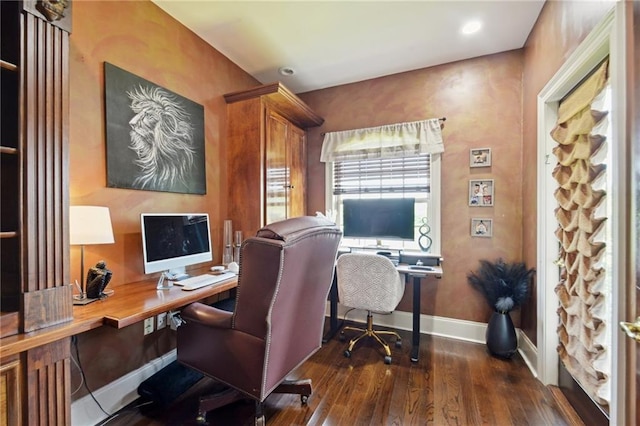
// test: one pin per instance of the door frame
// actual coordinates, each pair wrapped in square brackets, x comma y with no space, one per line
[607,38]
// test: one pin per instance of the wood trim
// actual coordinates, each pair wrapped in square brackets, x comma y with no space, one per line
[61,21]
[10,411]
[8,150]
[281,99]
[8,66]
[23,342]
[9,324]
[59,303]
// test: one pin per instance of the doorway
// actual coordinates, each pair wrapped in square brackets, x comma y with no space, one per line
[606,40]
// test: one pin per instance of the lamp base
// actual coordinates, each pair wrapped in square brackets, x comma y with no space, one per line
[83,301]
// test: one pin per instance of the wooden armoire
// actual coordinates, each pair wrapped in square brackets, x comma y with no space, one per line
[266,156]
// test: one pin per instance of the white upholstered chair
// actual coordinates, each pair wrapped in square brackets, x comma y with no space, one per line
[370,282]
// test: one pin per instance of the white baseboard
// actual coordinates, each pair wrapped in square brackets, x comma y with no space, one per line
[529,352]
[469,331]
[117,394]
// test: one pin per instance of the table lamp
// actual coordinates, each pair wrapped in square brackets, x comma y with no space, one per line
[88,225]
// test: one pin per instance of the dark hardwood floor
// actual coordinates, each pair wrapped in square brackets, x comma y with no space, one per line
[454,383]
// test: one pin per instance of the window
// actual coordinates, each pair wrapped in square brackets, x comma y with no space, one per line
[399,160]
[416,176]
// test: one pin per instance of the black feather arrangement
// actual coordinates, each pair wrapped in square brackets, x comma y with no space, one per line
[504,285]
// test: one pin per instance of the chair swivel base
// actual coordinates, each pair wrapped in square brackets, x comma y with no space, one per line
[370,332]
[229,395]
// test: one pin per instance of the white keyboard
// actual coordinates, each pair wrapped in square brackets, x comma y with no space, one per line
[199,281]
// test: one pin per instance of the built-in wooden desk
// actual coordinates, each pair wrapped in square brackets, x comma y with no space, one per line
[139,301]
[129,304]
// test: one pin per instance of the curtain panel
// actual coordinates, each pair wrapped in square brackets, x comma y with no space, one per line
[389,141]
[579,172]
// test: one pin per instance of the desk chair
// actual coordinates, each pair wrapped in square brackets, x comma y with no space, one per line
[370,282]
[285,274]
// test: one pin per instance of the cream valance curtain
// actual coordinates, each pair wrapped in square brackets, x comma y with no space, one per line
[393,140]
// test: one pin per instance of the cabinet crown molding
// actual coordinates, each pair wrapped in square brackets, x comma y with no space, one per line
[278,97]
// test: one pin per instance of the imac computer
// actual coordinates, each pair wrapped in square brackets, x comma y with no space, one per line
[383,218]
[172,241]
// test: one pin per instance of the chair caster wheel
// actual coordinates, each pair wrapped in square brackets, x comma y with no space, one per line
[387,359]
[342,336]
[304,399]
[398,343]
[347,353]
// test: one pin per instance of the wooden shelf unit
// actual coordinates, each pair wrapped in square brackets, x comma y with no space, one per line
[34,246]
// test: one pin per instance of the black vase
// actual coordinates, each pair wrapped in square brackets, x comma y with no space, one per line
[501,335]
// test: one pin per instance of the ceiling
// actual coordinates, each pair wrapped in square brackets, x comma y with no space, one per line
[329,43]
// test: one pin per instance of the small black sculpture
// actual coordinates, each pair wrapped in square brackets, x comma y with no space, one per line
[97,279]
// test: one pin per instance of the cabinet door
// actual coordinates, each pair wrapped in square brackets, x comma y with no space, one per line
[10,394]
[297,161]
[276,169]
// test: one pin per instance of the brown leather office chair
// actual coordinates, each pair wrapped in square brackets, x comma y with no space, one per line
[285,275]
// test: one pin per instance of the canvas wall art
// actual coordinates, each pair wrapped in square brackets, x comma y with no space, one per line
[155,137]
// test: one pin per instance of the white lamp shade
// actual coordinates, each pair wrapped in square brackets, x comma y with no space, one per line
[90,225]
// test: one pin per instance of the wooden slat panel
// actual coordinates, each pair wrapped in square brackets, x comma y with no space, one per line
[40,143]
[47,307]
[61,165]
[28,173]
[50,396]
[45,137]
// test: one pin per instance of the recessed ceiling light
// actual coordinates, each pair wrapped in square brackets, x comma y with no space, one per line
[286,71]
[471,27]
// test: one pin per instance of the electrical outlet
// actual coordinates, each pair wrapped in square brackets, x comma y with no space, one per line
[161,321]
[148,326]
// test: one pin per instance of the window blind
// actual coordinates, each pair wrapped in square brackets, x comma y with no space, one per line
[382,175]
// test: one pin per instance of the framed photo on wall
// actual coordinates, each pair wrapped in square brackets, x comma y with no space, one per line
[481,192]
[480,157]
[481,227]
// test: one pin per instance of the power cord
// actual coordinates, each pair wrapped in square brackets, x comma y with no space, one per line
[81,377]
[74,341]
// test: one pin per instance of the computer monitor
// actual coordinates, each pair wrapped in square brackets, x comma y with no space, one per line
[384,218]
[171,241]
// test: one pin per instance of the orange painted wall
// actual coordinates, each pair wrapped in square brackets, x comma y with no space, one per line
[560,28]
[142,39]
[481,99]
